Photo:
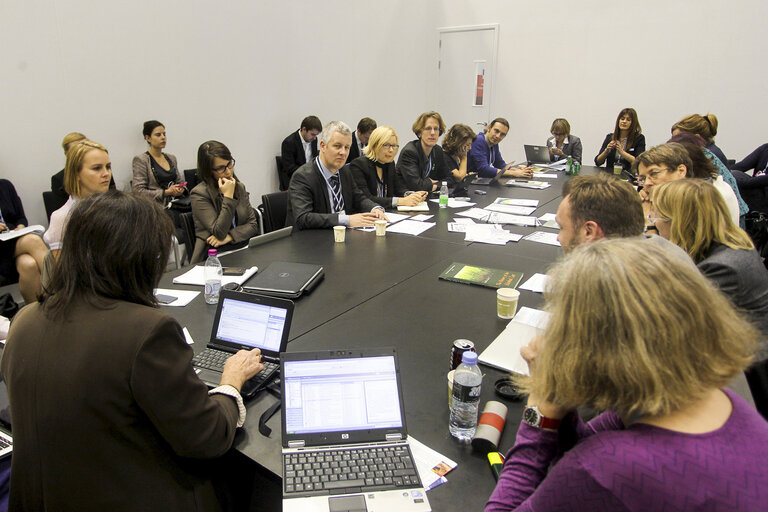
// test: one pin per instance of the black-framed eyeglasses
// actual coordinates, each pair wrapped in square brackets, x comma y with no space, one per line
[391,146]
[651,175]
[222,168]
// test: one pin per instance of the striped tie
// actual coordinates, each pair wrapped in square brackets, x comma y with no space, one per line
[338,200]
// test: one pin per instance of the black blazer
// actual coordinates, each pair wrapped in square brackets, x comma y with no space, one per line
[10,205]
[363,170]
[292,153]
[412,164]
[638,146]
[309,206]
[354,150]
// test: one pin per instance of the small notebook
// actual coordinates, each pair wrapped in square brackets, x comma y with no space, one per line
[482,276]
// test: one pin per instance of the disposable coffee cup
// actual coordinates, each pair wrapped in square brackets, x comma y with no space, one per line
[450,389]
[506,302]
[339,233]
[381,227]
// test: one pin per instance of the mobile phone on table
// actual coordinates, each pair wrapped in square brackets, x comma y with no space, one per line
[165,299]
[233,271]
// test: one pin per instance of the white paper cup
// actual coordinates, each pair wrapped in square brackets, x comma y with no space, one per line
[381,227]
[506,302]
[339,233]
[450,389]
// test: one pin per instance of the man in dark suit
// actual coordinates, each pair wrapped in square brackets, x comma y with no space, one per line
[322,194]
[360,137]
[299,148]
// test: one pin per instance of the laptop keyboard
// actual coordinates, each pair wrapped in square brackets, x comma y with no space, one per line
[351,470]
[213,359]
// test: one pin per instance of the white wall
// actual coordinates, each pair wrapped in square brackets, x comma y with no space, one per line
[587,60]
[241,72]
[246,73]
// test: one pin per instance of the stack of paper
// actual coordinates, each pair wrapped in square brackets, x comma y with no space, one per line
[16,233]
[410,227]
[548,221]
[504,352]
[421,207]
[543,237]
[489,234]
[499,218]
[455,203]
[536,283]
[431,465]
[196,276]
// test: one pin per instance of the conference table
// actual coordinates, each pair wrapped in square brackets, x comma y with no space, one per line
[385,291]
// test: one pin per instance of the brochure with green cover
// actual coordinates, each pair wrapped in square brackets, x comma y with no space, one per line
[483,276]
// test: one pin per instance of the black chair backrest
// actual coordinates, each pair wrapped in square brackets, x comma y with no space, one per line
[52,202]
[188,226]
[283,178]
[191,177]
[275,210]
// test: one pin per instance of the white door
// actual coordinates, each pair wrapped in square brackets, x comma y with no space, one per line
[466,71]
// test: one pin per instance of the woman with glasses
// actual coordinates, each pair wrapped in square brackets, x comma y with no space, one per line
[562,144]
[676,161]
[224,217]
[456,145]
[374,171]
[625,142]
[650,343]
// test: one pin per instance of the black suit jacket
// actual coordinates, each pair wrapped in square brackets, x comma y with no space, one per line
[10,205]
[363,170]
[292,153]
[412,165]
[309,206]
[638,146]
[354,150]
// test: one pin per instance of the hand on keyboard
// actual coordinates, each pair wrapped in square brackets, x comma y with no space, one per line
[240,367]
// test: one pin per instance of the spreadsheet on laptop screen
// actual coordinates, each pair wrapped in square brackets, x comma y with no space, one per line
[332,395]
[248,323]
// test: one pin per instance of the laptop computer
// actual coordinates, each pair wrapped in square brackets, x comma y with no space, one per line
[269,237]
[345,442]
[537,154]
[487,181]
[6,440]
[285,279]
[246,321]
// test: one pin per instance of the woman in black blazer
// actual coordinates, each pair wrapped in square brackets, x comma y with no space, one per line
[624,144]
[374,172]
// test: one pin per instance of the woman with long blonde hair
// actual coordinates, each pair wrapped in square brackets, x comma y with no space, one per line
[638,334]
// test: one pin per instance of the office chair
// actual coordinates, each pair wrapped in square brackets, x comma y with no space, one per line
[52,203]
[191,177]
[283,178]
[275,210]
[188,226]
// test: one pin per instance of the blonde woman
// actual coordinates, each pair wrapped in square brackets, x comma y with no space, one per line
[652,346]
[374,171]
[562,144]
[88,171]
[692,214]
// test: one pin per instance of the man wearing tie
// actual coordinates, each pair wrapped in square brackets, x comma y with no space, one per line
[360,137]
[323,194]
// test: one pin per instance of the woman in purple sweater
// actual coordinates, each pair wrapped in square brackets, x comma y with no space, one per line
[650,341]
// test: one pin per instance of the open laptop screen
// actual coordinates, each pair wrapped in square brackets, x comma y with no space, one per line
[347,394]
[251,324]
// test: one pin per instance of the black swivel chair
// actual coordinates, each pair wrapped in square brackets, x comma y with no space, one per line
[191,177]
[52,203]
[275,210]
[283,178]
[188,227]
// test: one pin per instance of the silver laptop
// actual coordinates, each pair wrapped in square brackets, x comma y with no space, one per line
[536,154]
[344,437]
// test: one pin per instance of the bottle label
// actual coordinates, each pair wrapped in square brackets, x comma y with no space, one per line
[468,394]
[212,288]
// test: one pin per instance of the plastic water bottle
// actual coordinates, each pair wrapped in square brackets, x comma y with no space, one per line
[444,195]
[467,381]
[569,169]
[213,273]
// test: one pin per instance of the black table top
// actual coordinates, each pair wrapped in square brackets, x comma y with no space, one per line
[385,292]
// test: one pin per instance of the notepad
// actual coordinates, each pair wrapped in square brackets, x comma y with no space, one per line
[504,352]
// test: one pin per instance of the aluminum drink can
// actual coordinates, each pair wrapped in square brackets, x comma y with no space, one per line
[457,351]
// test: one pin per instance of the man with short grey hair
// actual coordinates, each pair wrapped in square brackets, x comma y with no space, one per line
[323,193]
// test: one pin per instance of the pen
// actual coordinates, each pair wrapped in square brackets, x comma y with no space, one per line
[496,460]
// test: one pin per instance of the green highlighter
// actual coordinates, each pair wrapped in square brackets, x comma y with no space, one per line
[496,460]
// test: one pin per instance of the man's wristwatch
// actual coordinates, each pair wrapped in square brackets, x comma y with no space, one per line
[532,416]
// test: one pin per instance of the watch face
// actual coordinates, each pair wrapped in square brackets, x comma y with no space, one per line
[531,416]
